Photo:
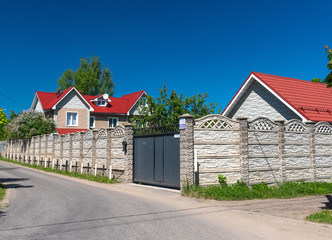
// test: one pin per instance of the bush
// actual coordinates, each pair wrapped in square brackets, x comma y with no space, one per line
[28,124]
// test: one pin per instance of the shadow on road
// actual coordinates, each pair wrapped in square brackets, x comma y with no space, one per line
[328,204]
[5,180]
[8,183]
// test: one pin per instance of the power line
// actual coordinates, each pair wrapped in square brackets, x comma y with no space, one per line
[14,100]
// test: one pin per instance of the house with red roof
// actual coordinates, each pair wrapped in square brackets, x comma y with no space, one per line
[275,97]
[73,111]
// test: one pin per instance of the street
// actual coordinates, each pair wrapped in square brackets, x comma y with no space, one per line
[49,206]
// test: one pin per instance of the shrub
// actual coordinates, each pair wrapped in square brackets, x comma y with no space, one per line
[28,124]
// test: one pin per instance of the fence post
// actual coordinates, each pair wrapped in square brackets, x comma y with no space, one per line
[110,174]
[311,138]
[244,155]
[60,164]
[186,150]
[281,147]
[81,168]
[71,165]
[95,169]
[129,156]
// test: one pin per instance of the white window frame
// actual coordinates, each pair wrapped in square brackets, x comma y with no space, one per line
[117,121]
[94,122]
[101,102]
[71,125]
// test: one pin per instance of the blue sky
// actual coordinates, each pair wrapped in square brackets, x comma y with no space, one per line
[191,46]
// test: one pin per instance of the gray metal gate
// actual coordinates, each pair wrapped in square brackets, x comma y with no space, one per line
[157,158]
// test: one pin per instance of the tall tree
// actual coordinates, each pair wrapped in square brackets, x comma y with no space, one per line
[166,109]
[90,78]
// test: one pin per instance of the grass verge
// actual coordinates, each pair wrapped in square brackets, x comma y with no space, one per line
[324,216]
[2,192]
[93,178]
[241,191]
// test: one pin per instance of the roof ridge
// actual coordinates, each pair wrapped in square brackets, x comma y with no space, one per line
[296,79]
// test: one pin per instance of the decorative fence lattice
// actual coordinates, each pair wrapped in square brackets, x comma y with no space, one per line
[262,124]
[323,128]
[295,126]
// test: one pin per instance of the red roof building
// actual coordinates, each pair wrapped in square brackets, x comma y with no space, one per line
[73,111]
[275,97]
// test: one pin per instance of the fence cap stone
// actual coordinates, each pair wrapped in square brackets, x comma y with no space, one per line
[187,115]
[279,120]
[310,122]
[241,118]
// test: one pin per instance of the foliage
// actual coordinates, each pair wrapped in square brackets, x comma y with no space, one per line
[28,124]
[166,109]
[90,78]
[328,78]
[93,178]
[12,115]
[240,191]
[3,121]
[324,216]
[222,181]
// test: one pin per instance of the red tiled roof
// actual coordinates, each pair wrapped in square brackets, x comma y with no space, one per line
[117,105]
[312,100]
[63,131]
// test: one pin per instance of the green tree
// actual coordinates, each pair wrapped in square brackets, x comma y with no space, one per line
[166,109]
[3,121]
[28,124]
[328,79]
[90,78]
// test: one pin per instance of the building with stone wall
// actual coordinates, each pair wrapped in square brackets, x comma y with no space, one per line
[275,97]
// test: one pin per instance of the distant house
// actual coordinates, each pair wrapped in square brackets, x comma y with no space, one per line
[73,111]
[275,97]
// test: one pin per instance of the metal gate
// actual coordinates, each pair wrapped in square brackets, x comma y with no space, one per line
[157,156]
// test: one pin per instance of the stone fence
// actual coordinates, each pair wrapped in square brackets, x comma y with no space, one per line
[99,152]
[262,150]
[252,151]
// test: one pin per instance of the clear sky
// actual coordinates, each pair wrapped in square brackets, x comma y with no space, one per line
[191,46]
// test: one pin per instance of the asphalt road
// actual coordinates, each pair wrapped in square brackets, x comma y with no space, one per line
[47,206]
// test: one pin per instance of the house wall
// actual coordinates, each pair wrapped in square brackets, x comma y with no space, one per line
[101,120]
[259,102]
[82,118]
[136,107]
[72,103]
[39,107]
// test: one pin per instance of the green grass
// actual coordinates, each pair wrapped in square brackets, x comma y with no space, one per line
[2,192]
[324,216]
[240,191]
[96,178]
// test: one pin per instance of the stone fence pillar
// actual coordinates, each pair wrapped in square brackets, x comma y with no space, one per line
[129,157]
[311,137]
[186,150]
[281,148]
[244,155]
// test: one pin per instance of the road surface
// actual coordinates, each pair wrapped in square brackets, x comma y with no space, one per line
[49,206]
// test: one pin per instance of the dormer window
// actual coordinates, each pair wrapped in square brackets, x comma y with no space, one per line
[101,103]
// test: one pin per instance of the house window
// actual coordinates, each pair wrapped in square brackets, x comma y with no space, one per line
[112,122]
[101,103]
[92,121]
[72,118]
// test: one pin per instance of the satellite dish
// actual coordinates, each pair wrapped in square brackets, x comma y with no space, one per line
[105,96]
